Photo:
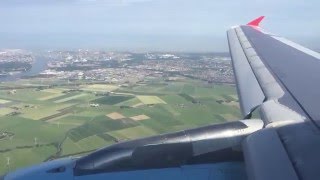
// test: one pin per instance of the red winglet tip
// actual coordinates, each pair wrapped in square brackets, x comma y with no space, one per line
[256,22]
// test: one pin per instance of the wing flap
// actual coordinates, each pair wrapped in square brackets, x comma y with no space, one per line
[265,163]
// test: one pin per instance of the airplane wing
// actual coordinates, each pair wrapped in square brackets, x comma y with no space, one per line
[281,79]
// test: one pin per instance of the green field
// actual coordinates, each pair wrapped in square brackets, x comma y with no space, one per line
[98,125]
[61,115]
[111,100]
[2,101]
[50,97]
[39,111]
[132,133]
[100,87]
[69,98]
[150,100]
[24,157]
[5,111]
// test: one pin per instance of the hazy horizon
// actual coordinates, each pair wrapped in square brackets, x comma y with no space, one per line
[149,25]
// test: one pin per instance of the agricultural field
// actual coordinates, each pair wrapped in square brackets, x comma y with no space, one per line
[79,119]
[2,101]
[99,87]
[5,111]
[111,100]
[151,100]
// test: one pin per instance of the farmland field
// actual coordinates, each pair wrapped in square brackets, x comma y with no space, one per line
[150,100]
[2,101]
[84,118]
[100,87]
[5,111]
[111,100]
[69,98]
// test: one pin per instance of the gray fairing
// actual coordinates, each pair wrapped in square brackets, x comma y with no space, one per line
[210,144]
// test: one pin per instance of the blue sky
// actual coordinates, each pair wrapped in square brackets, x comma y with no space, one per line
[155,25]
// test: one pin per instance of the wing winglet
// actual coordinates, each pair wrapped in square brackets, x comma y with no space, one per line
[256,22]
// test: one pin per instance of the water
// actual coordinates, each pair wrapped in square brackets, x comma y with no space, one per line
[40,64]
